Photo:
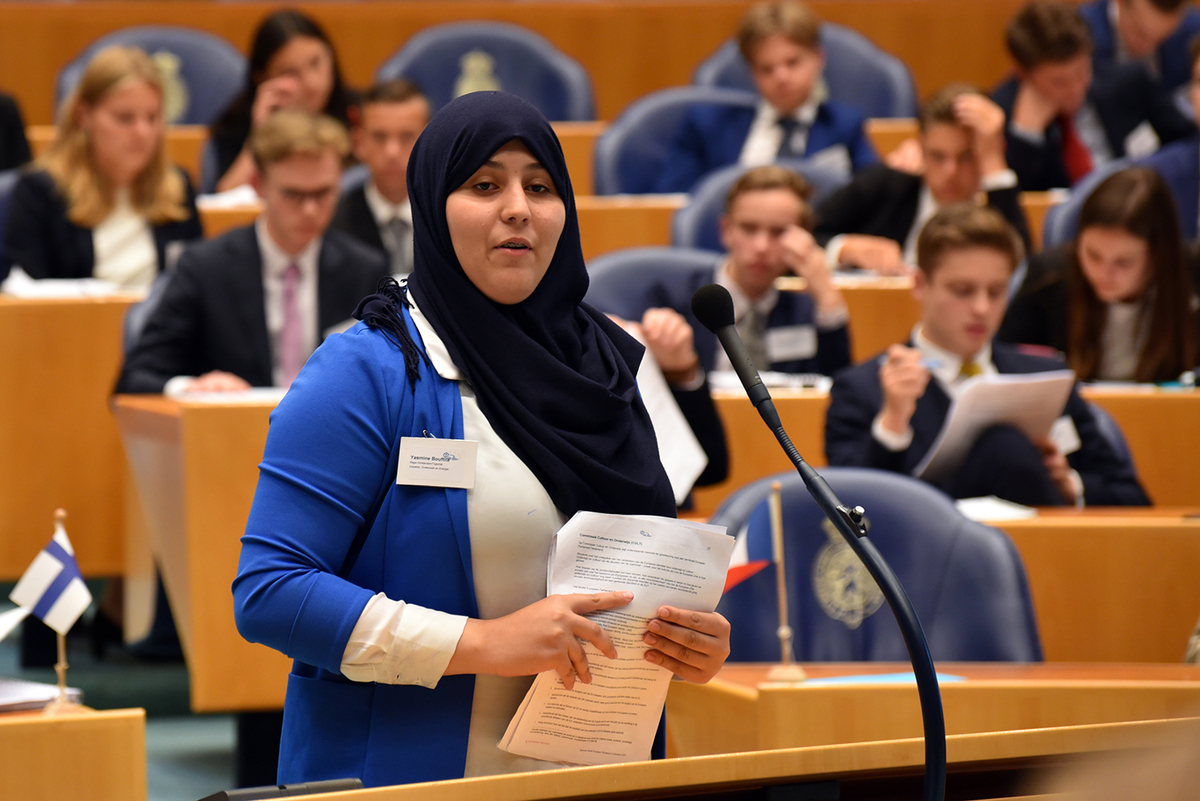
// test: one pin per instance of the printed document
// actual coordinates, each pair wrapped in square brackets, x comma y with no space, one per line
[661,561]
[1030,402]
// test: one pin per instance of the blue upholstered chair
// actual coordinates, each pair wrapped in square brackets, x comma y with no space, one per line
[620,281]
[857,73]
[452,59]
[1062,221]
[1111,431]
[966,580]
[210,70]
[697,225]
[630,153]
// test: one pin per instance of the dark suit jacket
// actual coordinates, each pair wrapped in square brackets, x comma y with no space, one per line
[354,217]
[1124,97]
[880,201]
[1179,165]
[674,289]
[212,315]
[45,244]
[14,147]
[857,397]
[712,137]
[1174,56]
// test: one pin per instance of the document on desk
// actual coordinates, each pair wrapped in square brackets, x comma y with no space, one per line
[1030,402]
[661,561]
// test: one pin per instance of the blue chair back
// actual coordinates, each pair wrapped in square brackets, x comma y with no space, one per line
[857,73]
[8,181]
[1111,431]
[966,580]
[1062,221]
[697,225]
[209,72]
[453,59]
[630,153]
[620,281]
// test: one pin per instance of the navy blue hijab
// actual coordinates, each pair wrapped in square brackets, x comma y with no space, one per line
[553,376]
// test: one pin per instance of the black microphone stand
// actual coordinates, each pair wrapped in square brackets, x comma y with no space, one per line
[850,523]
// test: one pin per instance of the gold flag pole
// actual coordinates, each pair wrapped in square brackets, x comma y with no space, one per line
[787,669]
[61,703]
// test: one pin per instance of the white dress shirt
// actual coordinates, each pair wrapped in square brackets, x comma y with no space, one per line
[384,211]
[766,135]
[511,521]
[274,262]
[123,247]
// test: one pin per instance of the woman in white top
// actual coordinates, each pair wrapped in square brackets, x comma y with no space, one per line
[103,201]
[1119,301]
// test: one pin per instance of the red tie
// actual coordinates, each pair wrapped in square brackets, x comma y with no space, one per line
[291,357]
[1076,157]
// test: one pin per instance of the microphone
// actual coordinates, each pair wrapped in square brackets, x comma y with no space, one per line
[713,307]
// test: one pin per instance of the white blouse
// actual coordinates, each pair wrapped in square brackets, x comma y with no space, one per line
[511,520]
[123,244]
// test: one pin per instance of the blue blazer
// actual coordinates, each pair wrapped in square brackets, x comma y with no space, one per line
[330,459]
[1179,165]
[1174,58]
[673,289]
[712,137]
[857,397]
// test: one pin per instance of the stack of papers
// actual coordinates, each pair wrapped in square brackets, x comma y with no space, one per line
[17,695]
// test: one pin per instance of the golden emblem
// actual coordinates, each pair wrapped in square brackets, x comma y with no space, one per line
[841,582]
[175,92]
[477,74]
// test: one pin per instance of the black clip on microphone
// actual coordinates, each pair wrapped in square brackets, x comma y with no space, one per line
[713,307]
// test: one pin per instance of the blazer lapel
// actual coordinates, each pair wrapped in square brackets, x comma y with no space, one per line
[248,300]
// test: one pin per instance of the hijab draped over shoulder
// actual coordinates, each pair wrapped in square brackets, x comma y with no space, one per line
[553,376]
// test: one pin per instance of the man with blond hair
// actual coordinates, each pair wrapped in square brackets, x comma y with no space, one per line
[248,308]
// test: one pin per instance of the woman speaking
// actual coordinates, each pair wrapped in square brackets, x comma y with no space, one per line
[417,616]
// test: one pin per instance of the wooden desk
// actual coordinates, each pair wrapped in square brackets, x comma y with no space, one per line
[740,710]
[980,766]
[185,145]
[58,443]
[196,467]
[1156,423]
[605,223]
[96,756]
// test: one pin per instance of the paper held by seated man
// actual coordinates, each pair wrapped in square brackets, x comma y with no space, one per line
[1030,402]
[662,561]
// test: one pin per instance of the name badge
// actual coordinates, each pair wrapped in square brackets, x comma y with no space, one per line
[791,342]
[1065,436]
[429,462]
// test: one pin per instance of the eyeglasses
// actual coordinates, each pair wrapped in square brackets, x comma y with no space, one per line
[300,197]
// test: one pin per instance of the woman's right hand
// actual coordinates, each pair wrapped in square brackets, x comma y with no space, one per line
[282,91]
[545,635]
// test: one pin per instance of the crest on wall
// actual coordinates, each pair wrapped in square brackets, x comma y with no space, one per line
[841,582]
[175,92]
[478,74]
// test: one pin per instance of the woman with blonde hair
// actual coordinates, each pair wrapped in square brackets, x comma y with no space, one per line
[103,201]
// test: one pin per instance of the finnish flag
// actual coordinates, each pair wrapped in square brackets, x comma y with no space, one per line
[52,588]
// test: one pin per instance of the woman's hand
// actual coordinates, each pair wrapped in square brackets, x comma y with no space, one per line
[542,636]
[692,645]
[282,91]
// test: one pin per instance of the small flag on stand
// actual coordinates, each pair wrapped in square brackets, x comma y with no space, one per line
[52,587]
[741,566]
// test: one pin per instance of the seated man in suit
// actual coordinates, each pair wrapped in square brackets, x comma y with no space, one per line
[872,223]
[886,413]
[392,116]
[766,233]
[781,42]
[248,308]
[1155,32]
[1179,163]
[1061,122]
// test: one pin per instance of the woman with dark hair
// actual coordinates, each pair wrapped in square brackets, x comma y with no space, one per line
[292,65]
[1120,301]
[417,616]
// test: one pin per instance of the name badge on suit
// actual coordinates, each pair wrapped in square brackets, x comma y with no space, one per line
[791,342]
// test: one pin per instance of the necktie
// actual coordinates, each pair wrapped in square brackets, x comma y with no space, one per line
[752,329]
[789,148]
[1076,157]
[398,247]
[969,369]
[291,356]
